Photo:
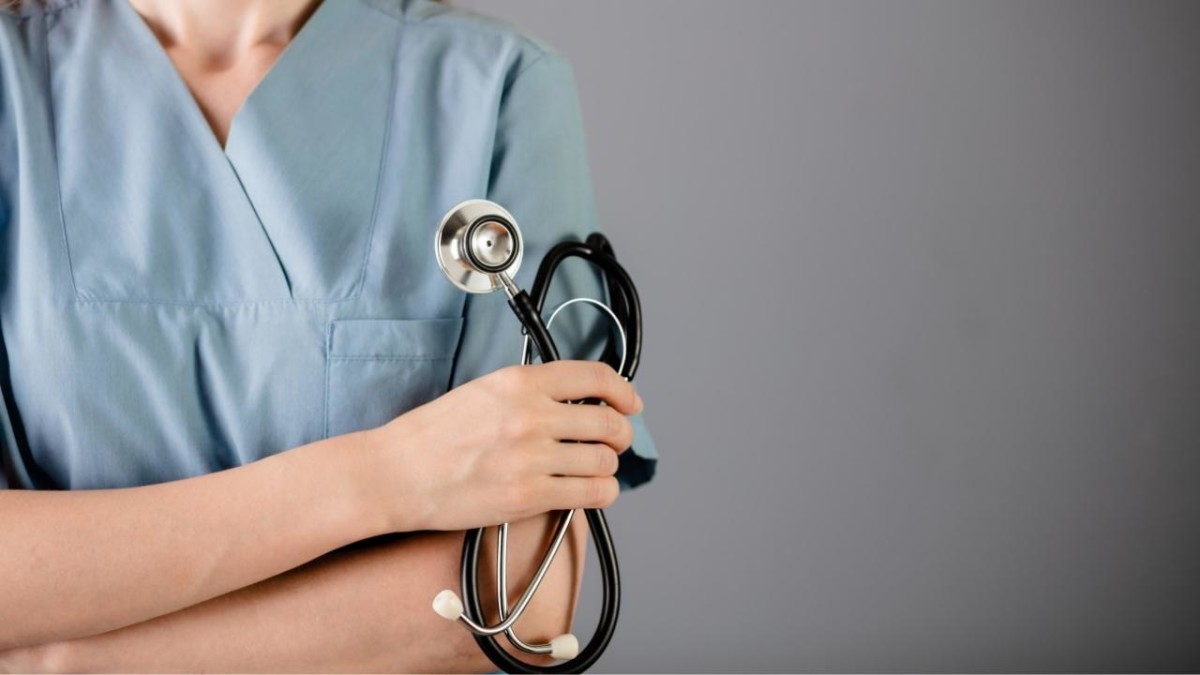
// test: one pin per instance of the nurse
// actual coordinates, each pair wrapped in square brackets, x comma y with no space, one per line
[246,418]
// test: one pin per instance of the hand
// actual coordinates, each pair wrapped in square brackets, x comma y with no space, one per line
[491,451]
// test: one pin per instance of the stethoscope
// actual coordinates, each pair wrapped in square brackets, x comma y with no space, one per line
[479,248]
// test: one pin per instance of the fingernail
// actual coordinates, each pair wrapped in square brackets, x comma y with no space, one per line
[640,403]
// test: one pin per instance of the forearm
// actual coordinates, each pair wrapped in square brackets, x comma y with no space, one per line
[88,562]
[359,610]
[84,562]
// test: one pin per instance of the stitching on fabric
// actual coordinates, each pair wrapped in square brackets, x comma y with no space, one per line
[262,226]
[383,156]
[536,60]
[62,219]
[381,10]
[369,357]
[235,304]
[446,18]
[50,11]
[489,158]
[328,344]
[443,21]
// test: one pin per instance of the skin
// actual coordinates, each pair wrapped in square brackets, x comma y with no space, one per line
[174,577]
[352,536]
[222,48]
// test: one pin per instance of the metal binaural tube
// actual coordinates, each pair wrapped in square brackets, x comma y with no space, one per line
[502,586]
[559,534]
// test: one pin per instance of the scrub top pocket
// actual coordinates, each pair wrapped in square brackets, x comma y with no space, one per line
[378,369]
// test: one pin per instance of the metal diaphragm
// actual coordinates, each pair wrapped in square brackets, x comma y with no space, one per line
[475,242]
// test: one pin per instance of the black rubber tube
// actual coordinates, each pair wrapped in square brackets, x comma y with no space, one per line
[621,289]
[529,314]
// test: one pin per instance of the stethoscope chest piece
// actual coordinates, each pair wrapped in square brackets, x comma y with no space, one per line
[476,241]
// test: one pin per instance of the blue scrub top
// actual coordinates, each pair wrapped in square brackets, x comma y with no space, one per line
[170,308]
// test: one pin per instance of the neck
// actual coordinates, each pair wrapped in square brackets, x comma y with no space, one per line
[218,32]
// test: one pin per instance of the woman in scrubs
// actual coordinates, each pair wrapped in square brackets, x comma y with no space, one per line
[230,365]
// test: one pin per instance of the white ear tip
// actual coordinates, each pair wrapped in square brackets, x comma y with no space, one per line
[447,605]
[565,646]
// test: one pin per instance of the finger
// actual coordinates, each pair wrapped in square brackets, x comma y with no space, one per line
[574,380]
[577,459]
[596,423]
[573,492]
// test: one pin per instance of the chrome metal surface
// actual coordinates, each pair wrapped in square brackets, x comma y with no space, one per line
[560,533]
[502,590]
[491,244]
[527,353]
[510,286]
[474,235]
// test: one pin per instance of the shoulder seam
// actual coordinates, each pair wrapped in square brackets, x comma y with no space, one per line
[445,19]
[525,39]
[532,62]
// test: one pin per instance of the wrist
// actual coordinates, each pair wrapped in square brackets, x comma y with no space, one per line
[391,483]
[349,467]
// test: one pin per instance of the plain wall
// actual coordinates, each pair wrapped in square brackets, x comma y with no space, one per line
[922,358]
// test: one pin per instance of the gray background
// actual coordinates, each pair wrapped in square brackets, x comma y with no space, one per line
[923,337]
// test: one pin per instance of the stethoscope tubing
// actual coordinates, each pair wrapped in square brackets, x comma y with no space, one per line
[610,602]
[528,308]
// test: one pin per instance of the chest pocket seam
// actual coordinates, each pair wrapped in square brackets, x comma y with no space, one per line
[376,369]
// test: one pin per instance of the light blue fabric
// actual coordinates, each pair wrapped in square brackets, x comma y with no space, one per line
[169,308]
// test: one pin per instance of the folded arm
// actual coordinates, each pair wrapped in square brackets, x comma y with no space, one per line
[362,610]
[167,561]
[84,562]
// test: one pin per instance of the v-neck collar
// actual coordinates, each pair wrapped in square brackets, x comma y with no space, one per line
[285,209]
[161,60]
